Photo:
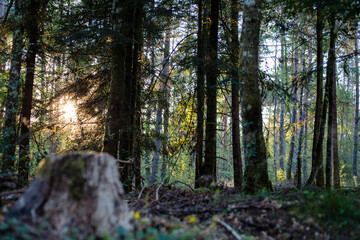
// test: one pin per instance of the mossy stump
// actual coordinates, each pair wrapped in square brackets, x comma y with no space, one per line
[77,191]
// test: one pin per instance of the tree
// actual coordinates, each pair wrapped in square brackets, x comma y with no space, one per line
[118,131]
[321,107]
[293,114]
[34,13]
[209,166]
[200,85]
[356,119]
[9,130]
[256,172]
[237,163]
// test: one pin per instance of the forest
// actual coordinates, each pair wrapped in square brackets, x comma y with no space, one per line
[179,119]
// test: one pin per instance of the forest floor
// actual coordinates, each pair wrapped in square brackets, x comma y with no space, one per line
[177,211]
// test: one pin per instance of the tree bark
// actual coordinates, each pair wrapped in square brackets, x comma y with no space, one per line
[256,171]
[136,76]
[114,118]
[274,144]
[209,167]
[165,101]
[9,132]
[156,155]
[235,115]
[356,119]
[293,114]
[282,107]
[200,86]
[77,191]
[33,16]
[321,107]
[299,159]
[118,140]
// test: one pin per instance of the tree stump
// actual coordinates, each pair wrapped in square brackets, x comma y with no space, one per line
[80,191]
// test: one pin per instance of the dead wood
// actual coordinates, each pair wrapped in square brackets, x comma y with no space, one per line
[78,191]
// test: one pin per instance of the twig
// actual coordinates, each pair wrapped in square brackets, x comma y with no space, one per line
[7,12]
[230,229]
[157,192]
[141,192]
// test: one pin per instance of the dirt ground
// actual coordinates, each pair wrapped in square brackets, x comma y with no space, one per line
[177,211]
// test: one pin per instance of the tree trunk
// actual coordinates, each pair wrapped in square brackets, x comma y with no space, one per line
[2,38]
[274,146]
[200,85]
[256,171]
[12,97]
[336,163]
[317,153]
[209,167]
[293,114]
[118,140]
[299,159]
[136,76]
[77,191]
[165,101]
[114,118]
[238,172]
[305,159]
[282,107]
[356,119]
[156,156]
[33,10]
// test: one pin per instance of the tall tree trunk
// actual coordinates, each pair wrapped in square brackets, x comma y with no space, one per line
[230,153]
[114,118]
[2,38]
[336,163]
[317,153]
[282,106]
[238,172]
[147,152]
[209,167]
[332,101]
[256,171]
[166,98]
[9,133]
[33,14]
[356,119]
[224,142]
[156,156]
[126,130]
[299,159]
[200,85]
[293,114]
[136,76]
[118,137]
[305,159]
[274,146]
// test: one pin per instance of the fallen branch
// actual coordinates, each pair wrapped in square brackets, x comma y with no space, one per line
[125,162]
[141,192]
[157,192]
[230,229]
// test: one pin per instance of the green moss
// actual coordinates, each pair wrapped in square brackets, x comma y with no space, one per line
[73,167]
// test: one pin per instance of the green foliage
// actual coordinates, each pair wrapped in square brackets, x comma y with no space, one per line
[334,210]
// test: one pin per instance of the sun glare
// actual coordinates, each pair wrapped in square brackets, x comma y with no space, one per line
[69,111]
